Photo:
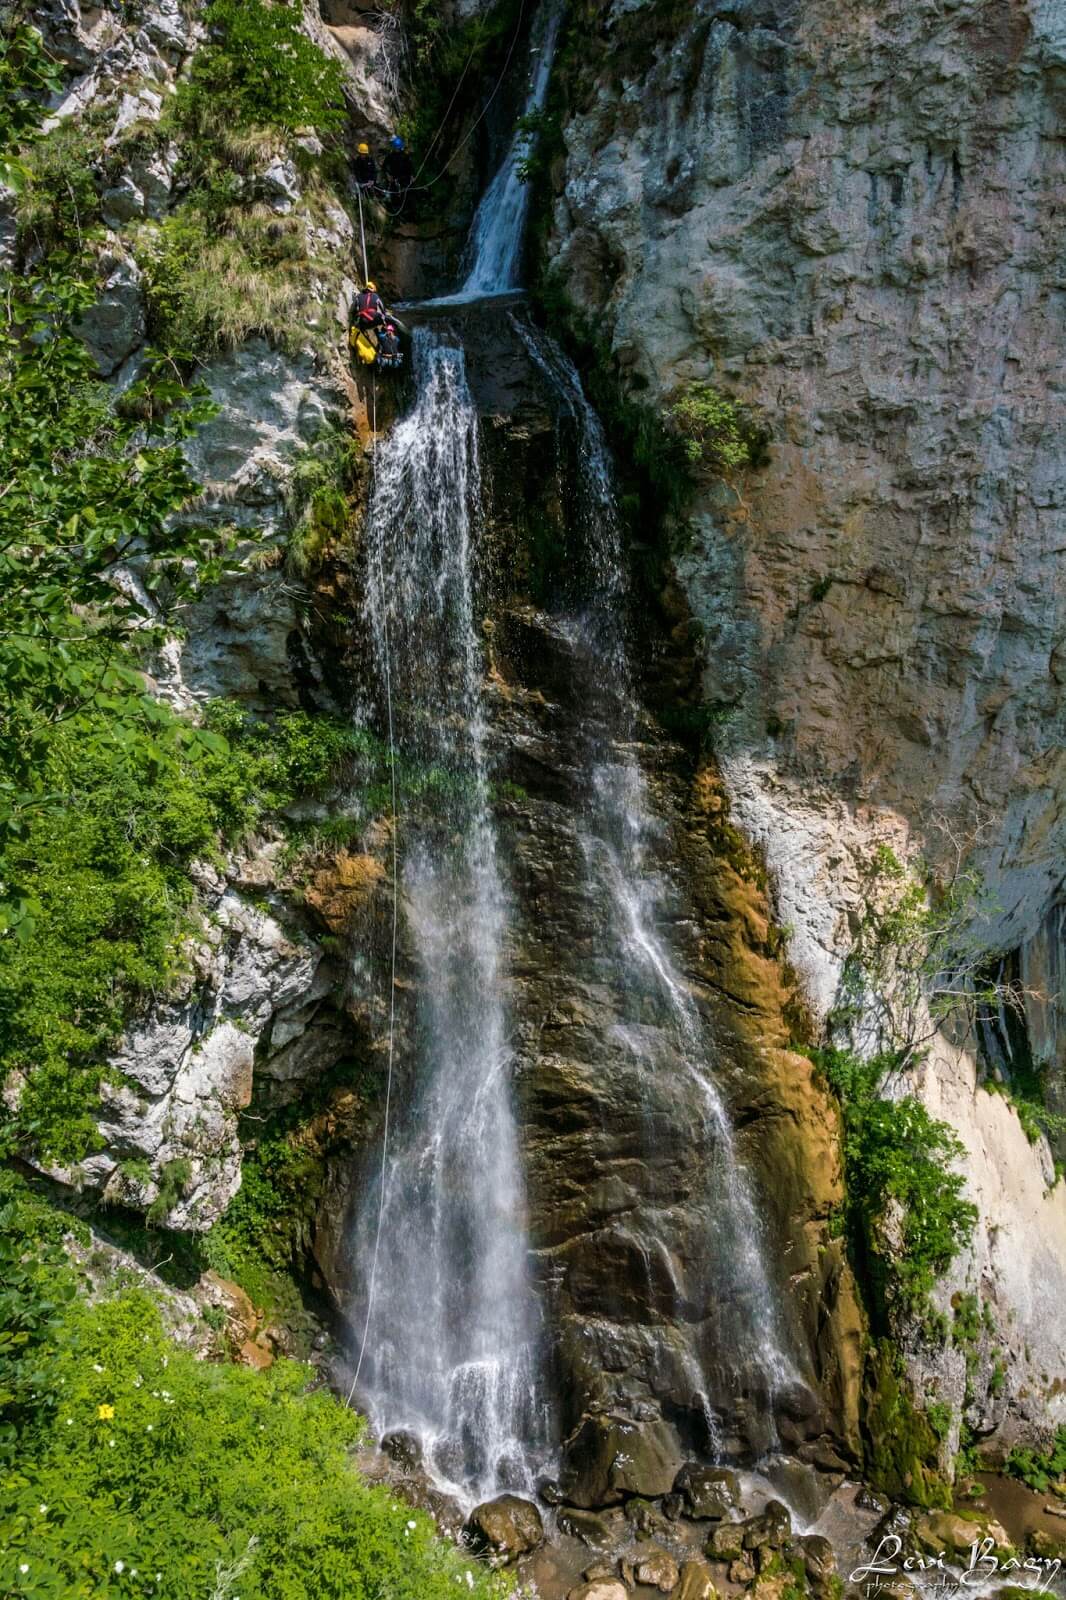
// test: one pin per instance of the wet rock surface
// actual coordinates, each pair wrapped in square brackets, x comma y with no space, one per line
[829,214]
[506,1527]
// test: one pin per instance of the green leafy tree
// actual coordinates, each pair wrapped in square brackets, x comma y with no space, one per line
[92,555]
[718,432]
[258,67]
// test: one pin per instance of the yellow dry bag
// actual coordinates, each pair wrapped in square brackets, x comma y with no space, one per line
[364,347]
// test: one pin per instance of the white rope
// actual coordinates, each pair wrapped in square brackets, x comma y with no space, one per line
[395,903]
[366,269]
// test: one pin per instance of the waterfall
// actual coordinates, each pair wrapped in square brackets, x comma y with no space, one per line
[494,249]
[452,1347]
[749,1346]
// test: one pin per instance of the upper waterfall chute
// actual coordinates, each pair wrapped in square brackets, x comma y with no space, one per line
[494,249]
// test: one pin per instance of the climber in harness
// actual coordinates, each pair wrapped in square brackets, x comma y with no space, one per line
[373,331]
[369,307]
[390,356]
[398,169]
[364,168]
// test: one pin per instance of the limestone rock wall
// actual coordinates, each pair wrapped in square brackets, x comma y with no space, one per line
[851,217]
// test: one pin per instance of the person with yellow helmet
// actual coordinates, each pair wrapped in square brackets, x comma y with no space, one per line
[364,168]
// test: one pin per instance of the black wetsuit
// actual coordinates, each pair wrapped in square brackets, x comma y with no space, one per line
[365,171]
[398,169]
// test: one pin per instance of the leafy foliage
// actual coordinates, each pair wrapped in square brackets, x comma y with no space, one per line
[718,432]
[101,874]
[59,206]
[27,75]
[1044,1471]
[906,1218]
[143,1472]
[91,485]
[919,957]
[259,67]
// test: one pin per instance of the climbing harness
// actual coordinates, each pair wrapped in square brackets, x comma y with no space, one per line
[382,601]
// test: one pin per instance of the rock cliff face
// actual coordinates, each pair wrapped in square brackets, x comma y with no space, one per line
[849,219]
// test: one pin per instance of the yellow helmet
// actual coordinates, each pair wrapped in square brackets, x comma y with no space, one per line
[371,286]
[364,149]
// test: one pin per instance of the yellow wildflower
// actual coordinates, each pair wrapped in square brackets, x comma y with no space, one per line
[105,1413]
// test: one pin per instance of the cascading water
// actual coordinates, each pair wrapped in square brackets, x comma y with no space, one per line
[454,1348]
[452,1351]
[745,1343]
[494,249]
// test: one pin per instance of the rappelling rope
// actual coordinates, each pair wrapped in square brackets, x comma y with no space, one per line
[380,574]
[366,270]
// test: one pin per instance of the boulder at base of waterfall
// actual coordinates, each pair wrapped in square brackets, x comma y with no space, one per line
[773,1527]
[609,1458]
[645,1517]
[600,1589]
[726,1542]
[507,1527]
[591,1529]
[710,1493]
[656,1568]
[819,1562]
[695,1582]
[934,1531]
[404,1448]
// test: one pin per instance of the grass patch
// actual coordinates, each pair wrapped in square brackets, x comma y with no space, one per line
[140,1470]
[219,274]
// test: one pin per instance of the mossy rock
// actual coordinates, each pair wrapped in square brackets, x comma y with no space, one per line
[902,1450]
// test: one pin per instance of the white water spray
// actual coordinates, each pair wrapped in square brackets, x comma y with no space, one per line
[452,1350]
[617,841]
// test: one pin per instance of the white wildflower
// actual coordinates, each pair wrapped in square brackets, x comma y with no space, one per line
[120,1566]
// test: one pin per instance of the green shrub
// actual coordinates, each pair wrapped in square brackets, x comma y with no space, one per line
[718,432]
[102,874]
[28,75]
[1043,1471]
[259,68]
[59,203]
[142,1471]
[905,1214]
